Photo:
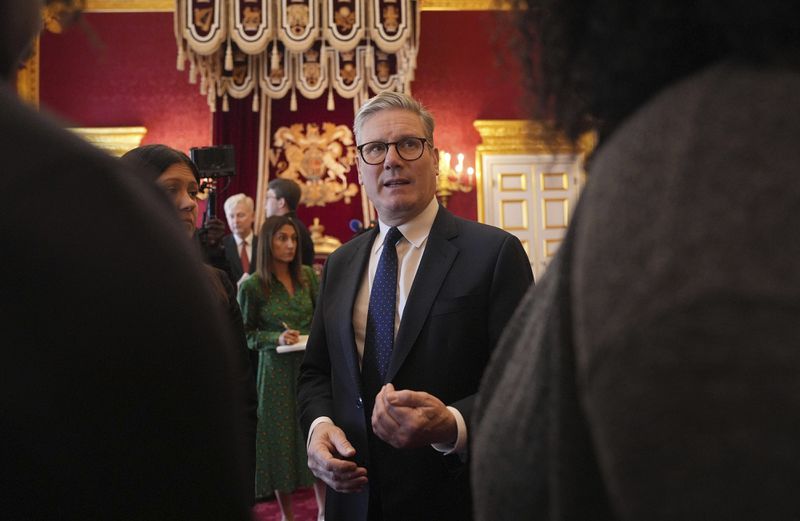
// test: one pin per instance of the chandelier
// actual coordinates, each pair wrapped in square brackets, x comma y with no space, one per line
[285,47]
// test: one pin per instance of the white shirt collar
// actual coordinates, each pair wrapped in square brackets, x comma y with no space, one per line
[414,231]
[249,239]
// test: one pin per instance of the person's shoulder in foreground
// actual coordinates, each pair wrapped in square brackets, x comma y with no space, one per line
[115,391]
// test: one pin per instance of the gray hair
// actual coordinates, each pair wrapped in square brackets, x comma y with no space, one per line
[393,100]
[232,201]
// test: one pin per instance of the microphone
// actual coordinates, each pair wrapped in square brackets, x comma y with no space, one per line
[356,226]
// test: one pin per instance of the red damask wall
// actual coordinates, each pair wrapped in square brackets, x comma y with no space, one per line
[464,73]
[121,72]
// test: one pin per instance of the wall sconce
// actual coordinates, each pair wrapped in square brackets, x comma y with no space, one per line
[453,179]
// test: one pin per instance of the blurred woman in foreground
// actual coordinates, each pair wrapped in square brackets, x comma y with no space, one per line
[178,176]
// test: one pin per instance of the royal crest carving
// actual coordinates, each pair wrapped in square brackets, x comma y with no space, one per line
[317,161]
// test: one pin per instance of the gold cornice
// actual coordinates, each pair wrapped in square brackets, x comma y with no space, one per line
[115,140]
[132,6]
[463,5]
[28,78]
[510,136]
[129,6]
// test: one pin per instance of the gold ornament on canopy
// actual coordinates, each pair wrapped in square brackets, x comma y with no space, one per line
[280,47]
[318,162]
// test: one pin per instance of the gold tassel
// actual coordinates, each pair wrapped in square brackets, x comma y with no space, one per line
[293,102]
[255,100]
[203,84]
[181,58]
[273,62]
[229,57]
[331,105]
[192,72]
[225,105]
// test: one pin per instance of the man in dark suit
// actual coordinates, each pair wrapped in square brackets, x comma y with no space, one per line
[115,392]
[283,196]
[241,244]
[386,405]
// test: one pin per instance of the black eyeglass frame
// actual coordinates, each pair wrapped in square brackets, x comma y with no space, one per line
[423,140]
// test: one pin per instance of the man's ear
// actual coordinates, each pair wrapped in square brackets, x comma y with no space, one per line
[358,169]
[435,152]
[281,202]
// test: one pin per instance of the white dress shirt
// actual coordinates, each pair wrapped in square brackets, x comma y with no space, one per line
[409,254]
[249,246]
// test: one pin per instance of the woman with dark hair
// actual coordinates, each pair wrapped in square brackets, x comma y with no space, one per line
[654,371]
[178,176]
[277,305]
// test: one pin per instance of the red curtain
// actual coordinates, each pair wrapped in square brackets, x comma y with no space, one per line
[238,127]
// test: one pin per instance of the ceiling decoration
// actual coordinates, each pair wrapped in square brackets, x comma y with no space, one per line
[307,48]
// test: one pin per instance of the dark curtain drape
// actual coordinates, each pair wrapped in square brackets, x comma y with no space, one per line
[238,127]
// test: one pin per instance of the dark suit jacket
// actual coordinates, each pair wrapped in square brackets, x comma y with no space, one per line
[234,261]
[115,387]
[468,284]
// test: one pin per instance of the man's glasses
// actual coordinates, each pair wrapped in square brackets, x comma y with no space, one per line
[408,148]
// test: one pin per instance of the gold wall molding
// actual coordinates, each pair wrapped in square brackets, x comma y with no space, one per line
[513,136]
[129,6]
[28,78]
[133,6]
[114,140]
[464,5]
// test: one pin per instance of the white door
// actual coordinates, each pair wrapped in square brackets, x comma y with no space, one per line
[532,196]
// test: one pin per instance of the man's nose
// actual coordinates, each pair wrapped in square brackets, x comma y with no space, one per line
[392,157]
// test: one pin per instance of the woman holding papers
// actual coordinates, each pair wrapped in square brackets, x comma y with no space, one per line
[277,305]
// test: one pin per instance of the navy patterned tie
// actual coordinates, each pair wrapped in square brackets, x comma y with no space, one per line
[379,336]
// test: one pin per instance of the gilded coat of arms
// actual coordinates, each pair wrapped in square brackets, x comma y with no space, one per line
[317,161]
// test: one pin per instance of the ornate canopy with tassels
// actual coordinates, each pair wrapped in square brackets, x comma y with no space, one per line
[279,47]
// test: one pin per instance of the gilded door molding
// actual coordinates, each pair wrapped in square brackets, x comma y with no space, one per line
[519,136]
[529,178]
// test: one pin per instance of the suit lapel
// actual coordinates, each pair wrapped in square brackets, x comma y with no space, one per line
[254,255]
[350,280]
[433,268]
[233,256]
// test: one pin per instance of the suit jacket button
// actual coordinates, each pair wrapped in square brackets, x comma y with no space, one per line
[359,403]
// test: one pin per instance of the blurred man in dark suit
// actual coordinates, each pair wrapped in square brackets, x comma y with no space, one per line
[115,395]
[283,197]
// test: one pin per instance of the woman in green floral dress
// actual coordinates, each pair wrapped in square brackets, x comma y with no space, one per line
[277,305]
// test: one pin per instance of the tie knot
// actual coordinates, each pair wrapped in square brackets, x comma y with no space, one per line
[392,236]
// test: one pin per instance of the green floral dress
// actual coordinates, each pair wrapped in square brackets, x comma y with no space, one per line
[281,462]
